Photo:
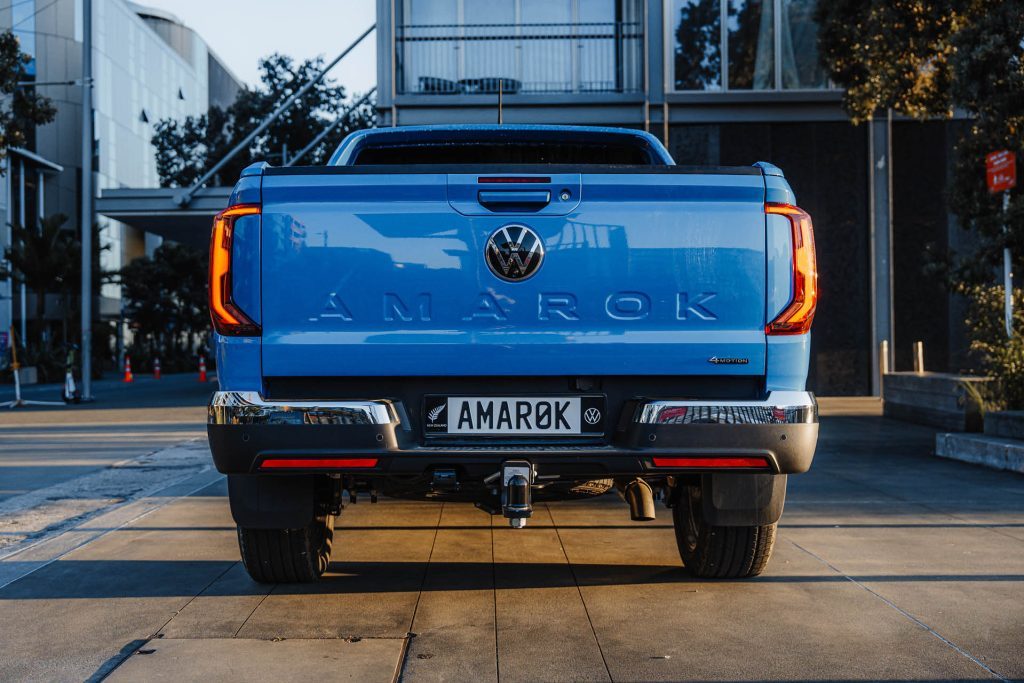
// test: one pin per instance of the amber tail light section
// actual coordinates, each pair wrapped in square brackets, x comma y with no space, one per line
[799,314]
[228,318]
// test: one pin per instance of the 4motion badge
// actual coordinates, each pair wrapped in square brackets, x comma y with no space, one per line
[726,360]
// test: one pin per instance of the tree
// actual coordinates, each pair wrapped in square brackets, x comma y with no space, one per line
[891,54]
[48,260]
[988,82]
[186,149]
[165,300]
[923,58]
[43,260]
[22,107]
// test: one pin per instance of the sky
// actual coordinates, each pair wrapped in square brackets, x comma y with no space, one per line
[242,31]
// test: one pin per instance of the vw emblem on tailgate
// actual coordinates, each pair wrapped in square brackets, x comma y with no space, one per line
[514,252]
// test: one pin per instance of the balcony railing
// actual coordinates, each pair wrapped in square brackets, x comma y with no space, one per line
[450,59]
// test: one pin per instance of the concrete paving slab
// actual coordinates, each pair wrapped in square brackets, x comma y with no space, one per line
[544,631]
[372,586]
[221,609]
[797,623]
[958,581]
[236,659]
[581,594]
[455,619]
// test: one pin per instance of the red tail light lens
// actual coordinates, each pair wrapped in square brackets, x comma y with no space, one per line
[755,462]
[799,314]
[228,318]
[318,463]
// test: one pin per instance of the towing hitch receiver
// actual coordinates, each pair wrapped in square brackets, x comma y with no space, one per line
[516,500]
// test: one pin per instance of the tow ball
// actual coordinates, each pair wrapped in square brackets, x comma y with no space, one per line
[516,502]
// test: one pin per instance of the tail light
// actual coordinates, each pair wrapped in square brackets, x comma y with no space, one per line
[799,314]
[228,318]
[317,463]
[728,463]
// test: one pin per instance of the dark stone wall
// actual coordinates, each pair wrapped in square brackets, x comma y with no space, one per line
[920,215]
[827,165]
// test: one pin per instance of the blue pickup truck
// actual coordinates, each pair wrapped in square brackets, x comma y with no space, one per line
[506,315]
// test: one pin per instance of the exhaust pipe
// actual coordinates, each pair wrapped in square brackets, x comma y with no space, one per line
[640,496]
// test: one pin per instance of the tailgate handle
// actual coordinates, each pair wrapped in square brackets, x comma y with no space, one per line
[510,200]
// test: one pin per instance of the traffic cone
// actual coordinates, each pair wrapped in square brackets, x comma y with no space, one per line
[202,368]
[128,376]
[156,369]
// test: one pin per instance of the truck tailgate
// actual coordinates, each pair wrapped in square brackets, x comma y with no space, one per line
[371,273]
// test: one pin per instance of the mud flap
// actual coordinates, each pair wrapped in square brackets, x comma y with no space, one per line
[735,499]
[267,502]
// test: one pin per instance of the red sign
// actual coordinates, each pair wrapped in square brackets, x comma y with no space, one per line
[1001,170]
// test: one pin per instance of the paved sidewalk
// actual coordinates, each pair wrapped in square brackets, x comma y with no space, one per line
[45,446]
[890,565]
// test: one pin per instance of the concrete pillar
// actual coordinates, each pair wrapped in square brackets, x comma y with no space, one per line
[880,196]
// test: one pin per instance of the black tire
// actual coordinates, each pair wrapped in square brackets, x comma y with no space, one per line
[718,552]
[287,555]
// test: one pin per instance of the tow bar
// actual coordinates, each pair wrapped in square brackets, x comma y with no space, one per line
[516,502]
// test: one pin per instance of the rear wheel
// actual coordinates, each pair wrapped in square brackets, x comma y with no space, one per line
[287,555]
[719,552]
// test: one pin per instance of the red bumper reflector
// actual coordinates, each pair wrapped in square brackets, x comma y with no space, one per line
[718,463]
[317,463]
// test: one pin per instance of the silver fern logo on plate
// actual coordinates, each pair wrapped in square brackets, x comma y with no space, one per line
[436,412]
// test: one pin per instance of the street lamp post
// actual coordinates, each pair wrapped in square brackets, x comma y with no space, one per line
[87,203]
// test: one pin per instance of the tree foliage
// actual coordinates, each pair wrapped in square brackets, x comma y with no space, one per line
[988,82]
[925,58]
[186,149]
[44,259]
[22,108]
[48,261]
[999,356]
[891,54]
[165,302]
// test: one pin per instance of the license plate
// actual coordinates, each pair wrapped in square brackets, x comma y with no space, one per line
[514,415]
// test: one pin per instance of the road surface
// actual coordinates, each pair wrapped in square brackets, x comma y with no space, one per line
[890,565]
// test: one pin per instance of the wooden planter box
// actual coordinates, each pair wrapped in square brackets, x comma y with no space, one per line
[934,398]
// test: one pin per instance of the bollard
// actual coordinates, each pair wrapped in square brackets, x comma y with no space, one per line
[156,369]
[883,365]
[919,357]
[202,368]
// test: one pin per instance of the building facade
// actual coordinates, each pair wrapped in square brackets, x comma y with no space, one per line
[721,82]
[147,66]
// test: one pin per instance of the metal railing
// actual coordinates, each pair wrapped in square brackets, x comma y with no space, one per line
[450,59]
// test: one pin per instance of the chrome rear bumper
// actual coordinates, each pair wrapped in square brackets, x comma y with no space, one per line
[249,408]
[245,430]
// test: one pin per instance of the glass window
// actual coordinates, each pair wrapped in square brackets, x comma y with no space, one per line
[599,40]
[23,25]
[525,46]
[698,44]
[490,53]
[429,58]
[547,46]
[799,46]
[751,44]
